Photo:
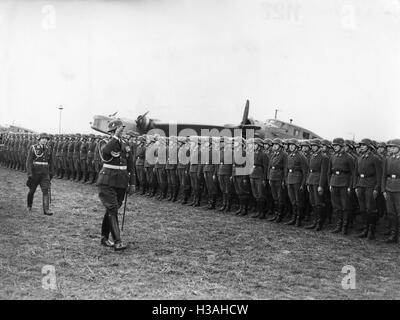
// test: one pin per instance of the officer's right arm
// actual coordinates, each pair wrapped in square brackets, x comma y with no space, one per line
[110,146]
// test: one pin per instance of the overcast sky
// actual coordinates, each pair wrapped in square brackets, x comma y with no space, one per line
[332,66]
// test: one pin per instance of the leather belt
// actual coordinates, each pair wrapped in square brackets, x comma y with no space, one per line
[313,171]
[110,166]
[363,175]
[337,172]
[40,163]
[275,168]
[292,170]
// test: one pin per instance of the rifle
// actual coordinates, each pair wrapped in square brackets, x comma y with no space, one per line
[50,192]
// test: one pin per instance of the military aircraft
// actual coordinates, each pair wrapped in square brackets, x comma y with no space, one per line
[271,128]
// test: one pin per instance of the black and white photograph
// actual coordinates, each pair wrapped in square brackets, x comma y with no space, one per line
[200,154]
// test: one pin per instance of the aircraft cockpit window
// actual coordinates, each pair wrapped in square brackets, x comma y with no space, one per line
[306,135]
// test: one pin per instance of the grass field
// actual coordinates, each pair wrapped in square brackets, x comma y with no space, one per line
[177,252]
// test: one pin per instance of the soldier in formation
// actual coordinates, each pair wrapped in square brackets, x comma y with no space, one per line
[316,180]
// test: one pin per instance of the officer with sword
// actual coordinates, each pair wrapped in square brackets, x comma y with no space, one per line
[115,181]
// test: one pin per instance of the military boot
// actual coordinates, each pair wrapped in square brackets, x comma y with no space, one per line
[213,202]
[175,192]
[315,222]
[321,217]
[339,223]
[394,230]
[258,212]
[293,220]
[371,231]
[374,217]
[198,200]
[222,208]
[274,213]
[194,200]
[364,233]
[185,197]
[346,223]
[170,194]
[228,203]
[300,216]
[114,227]
[29,201]
[245,207]
[46,204]
[240,210]
[263,209]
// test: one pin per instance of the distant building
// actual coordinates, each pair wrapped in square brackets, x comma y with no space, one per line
[18,129]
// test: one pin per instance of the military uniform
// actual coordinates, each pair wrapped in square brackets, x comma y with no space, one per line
[114,178]
[64,157]
[367,183]
[159,167]
[171,169]
[40,172]
[76,157]
[210,155]
[149,167]
[183,168]
[195,171]
[296,176]
[70,157]
[259,176]
[224,172]
[340,171]
[83,153]
[391,188]
[140,159]
[91,147]
[276,176]
[241,175]
[318,184]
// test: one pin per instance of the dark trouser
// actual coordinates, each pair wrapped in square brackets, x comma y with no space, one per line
[295,195]
[59,165]
[195,183]
[77,167]
[112,199]
[151,179]
[367,205]
[296,198]
[172,181]
[211,183]
[317,202]
[393,209]
[243,189]
[141,173]
[84,169]
[277,194]
[38,178]
[340,204]
[65,166]
[161,176]
[71,167]
[184,181]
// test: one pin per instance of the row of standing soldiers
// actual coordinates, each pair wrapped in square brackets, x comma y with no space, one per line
[287,180]
[74,156]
